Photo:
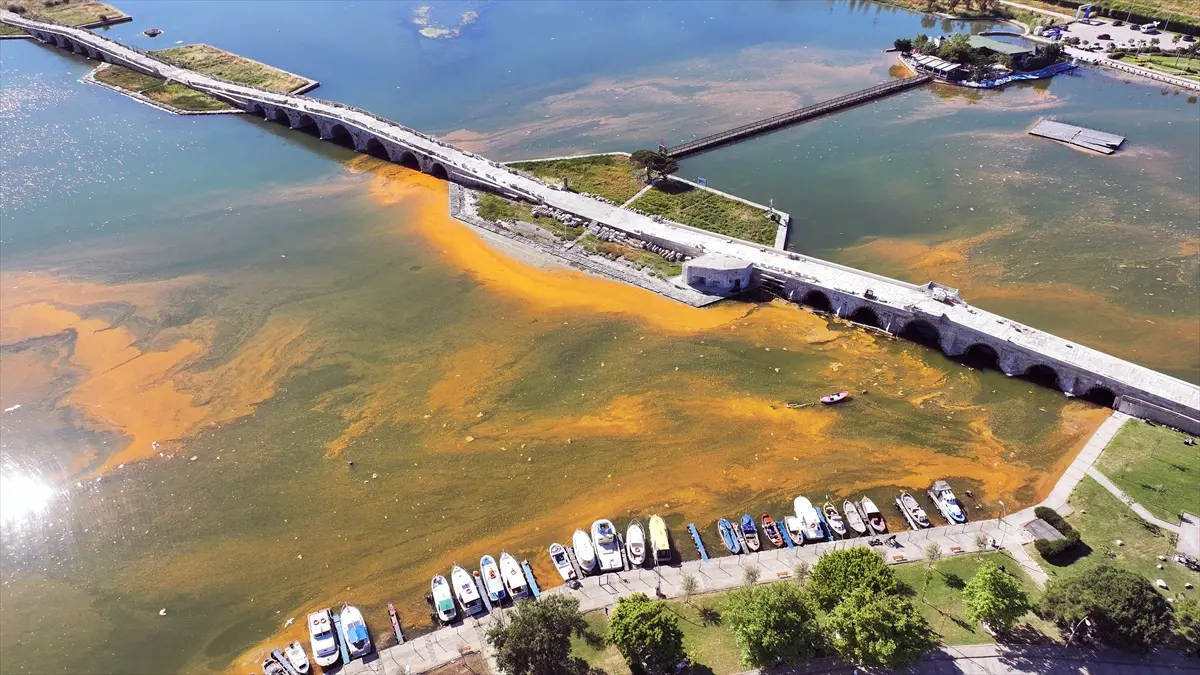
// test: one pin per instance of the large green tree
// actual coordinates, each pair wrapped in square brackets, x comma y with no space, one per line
[1187,623]
[1122,609]
[838,573]
[647,634]
[773,624]
[956,48]
[994,596]
[654,162]
[869,629]
[534,638]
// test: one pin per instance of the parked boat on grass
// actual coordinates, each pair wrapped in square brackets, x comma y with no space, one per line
[514,578]
[750,533]
[585,553]
[490,572]
[728,536]
[443,601]
[354,630]
[635,543]
[810,520]
[853,518]
[913,513]
[294,653]
[660,541]
[771,529]
[562,563]
[465,591]
[943,497]
[608,549]
[874,516]
[834,519]
[322,639]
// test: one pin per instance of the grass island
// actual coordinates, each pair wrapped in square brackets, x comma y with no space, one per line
[84,13]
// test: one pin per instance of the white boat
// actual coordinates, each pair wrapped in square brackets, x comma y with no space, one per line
[354,632]
[514,577]
[874,516]
[322,638]
[795,529]
[913,513]
[465,591]
[853,518]
[294,653]
[585,554]
[490,572]
[943,497]
[562,563]
[834,519]
[443,601]
[809,520]
[660,542]
[635,543]
[608,549]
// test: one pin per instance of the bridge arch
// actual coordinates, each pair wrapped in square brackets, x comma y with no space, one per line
[1100,395]
[304,121]
[1040,373]
[280,115]
[257,110]
[339,134]
[439,171]
[817,300]
[375,148]
[922,332]
[980,356]
[408,159]
[865,315]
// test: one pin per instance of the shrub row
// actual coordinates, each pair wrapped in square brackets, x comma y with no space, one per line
[1051,549]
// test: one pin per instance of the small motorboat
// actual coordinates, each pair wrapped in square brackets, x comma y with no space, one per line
[294,653]
[728,536]
[585,553]
[810,520]
[443,601]
[834,519]
[635,543]
[490,572]
[465,591]
[660,542]
[562,563]
[273,667]
[943,497]
[795,528]
[771,529]
[608,549]
[913,513]
[354,631]
[835,398]
[853,518]
[750,533]
[322,639]
[874,516]
[282,661]
[514,576]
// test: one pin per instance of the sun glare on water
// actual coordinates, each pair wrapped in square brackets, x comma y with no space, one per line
[22,496]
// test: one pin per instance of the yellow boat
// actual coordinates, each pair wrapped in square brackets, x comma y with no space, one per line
[660,542]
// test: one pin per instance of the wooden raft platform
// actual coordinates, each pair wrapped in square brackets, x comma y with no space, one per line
[1083,137]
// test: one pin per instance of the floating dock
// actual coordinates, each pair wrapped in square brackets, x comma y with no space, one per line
[794,116]
[787,538]
[529,575]
[1090,139]
[341,638]
[483,595]
[396,617]
[696,539]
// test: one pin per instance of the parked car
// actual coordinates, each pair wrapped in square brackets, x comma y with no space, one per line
[1189,38]
[1118,23]
[1104,36]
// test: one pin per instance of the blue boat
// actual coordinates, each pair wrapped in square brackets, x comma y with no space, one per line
[728,536]
[750,533]
[696,539]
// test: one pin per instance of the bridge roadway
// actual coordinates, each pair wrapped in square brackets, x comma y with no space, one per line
[928,312]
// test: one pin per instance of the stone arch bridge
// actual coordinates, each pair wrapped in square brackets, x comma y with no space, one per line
[929,314]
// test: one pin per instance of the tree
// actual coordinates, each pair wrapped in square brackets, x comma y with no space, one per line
[866,629]
[838,573]
[956,48]
[1123,609]
[933,553]
[981,541]
[654,162]
[922,44]
[751,574]
[534,638]
[773,624]
[801,571]
[687,586]
[1187,623]
[646,633]
[903,45]
[995,597]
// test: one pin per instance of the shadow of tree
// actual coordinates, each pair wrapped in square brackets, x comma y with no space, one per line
[1024,634]
[954,581]
[710,616]
[593,639]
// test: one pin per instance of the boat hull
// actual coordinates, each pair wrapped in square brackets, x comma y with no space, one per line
[490,572]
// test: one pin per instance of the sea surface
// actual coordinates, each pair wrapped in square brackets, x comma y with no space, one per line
[246,374]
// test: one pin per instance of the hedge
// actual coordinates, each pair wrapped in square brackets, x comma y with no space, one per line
[1053,548]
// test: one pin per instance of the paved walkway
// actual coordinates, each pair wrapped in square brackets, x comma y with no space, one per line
[1137,508]
[1057,499]
[1021,660]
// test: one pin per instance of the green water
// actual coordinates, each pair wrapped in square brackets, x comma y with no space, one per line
[333,325]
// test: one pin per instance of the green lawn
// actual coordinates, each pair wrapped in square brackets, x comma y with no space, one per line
[708,211]
[6,29]
[1101,520]
[941,602]
[609,176]
[72,13]
[657,264]
[209,60]
[495,208]
[1153,466]
[1170,65]
[174,95]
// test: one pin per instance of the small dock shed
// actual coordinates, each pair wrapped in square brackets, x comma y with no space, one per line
[1080,136]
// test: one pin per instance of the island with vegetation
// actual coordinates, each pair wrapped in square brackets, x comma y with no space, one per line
[79,13]
[204,59]
[978,61]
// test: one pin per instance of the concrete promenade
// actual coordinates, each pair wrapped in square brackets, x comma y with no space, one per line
[1057,499]
[896,304]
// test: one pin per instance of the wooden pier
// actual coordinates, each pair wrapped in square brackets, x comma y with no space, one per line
[800,115]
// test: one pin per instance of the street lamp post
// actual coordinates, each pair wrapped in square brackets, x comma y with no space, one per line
[1081,622]
[1003,523]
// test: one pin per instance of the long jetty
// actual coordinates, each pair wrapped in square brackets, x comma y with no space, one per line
[806,113]
[929,313]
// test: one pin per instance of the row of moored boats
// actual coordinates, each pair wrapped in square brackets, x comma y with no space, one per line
[466,593]
[602,550]
[332,636]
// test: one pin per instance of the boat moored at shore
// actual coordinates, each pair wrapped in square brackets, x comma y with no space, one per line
[809,519]
[660,540]
[490,572]
[465,591]
[354,632]
[635,543]
[514,576]
[608,549]
[558,555]
[945,501]
[443,600]
[913,513]
[322,638]
[585,553]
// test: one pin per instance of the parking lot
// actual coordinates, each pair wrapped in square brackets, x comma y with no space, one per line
[1119,35]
